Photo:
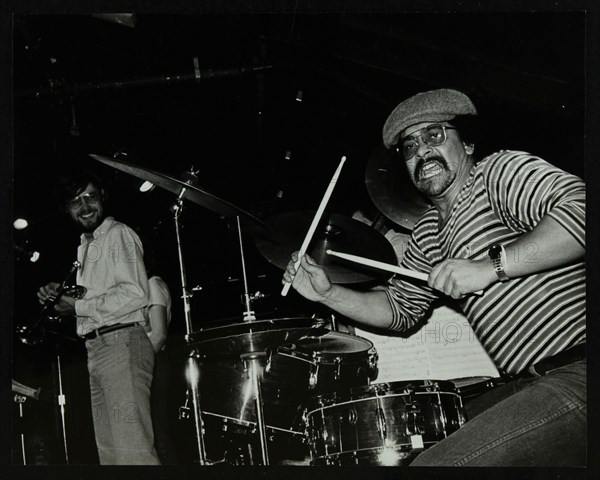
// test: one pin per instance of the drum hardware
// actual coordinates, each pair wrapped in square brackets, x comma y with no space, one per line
[20,400]
[381,422]
[22,393]
[193,374]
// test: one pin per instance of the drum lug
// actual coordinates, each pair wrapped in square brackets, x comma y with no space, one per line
[381,422]
[338,366]
[413,419]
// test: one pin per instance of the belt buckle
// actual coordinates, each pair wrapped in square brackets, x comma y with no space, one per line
[92,335]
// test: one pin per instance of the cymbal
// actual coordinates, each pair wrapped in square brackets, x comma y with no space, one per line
[392,190]
[192,192]
[334,232]
[228,338]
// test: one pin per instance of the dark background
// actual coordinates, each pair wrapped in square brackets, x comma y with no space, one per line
[524,71]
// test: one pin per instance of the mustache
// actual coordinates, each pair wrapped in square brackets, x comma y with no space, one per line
[438,158]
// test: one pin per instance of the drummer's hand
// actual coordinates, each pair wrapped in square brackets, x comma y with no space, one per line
[458,277]
[310,280]
[48,292]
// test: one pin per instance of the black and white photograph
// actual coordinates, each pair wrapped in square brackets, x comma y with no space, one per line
[299,238]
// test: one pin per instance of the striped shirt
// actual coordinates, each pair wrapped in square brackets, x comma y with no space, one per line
[523,320]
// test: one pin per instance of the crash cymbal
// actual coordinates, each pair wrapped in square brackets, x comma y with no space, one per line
[392,190]
[192,193]
[334,232]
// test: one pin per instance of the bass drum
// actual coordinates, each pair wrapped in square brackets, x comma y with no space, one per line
[382,424]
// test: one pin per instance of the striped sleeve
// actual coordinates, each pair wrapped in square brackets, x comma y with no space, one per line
[410,300]
[523,189]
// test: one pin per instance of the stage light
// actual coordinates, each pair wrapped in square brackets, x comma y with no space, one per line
[20,224]
[146,187]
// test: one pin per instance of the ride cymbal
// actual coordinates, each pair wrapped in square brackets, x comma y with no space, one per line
[392,190]
[335,232]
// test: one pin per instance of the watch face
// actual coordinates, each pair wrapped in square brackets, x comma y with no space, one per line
[494,251]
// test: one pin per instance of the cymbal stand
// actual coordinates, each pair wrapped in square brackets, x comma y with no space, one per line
[193,368]
[249,313]
[252,360]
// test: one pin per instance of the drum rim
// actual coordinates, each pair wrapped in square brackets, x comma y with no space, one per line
[348,395]
[216,331]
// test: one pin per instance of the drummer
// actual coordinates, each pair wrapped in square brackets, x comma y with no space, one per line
[510,225]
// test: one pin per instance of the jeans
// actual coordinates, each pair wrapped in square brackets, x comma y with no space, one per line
[529,421]
[120,365]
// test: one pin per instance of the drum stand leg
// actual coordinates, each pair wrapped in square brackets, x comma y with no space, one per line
[20,399]
[62,402]
[194,378]
[253,360]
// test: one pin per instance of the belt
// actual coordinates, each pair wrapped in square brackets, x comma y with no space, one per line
[561,359]
[111,328]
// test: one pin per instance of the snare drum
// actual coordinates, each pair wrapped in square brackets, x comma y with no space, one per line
[382,424]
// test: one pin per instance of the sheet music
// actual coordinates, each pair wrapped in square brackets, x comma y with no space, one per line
[444,348]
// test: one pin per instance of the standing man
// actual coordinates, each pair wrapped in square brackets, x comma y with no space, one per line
[513,226]
[110,317]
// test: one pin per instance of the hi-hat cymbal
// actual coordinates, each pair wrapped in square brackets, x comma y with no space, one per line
[392,190]
[191,193]
[334,232]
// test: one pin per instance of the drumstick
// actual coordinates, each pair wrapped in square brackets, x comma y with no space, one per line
[382,266]
[385,266]
[315,222]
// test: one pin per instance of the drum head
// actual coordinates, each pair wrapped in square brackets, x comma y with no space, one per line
[254,336]
[329,345]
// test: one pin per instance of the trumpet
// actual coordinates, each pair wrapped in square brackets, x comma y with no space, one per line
[33,334]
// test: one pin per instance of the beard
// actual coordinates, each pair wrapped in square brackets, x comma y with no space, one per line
[437,183]
[89,225]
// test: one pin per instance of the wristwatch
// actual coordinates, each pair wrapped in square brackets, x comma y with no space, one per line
[497,255]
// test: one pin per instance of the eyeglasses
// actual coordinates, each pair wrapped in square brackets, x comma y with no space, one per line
[432,135]
[77,202]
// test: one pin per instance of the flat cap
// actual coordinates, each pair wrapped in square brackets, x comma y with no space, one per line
[439,105]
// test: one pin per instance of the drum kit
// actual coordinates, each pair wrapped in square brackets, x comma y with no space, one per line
[295,390]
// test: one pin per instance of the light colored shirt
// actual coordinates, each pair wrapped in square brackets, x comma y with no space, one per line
[113,272]
[159,295]
[523,320]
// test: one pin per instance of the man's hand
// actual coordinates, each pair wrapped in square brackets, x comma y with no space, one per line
[48,292]
[65,306]
[458,277]
[310,280]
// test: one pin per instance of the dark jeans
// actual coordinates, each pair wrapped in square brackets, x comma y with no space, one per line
[530,421]
[160,409]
